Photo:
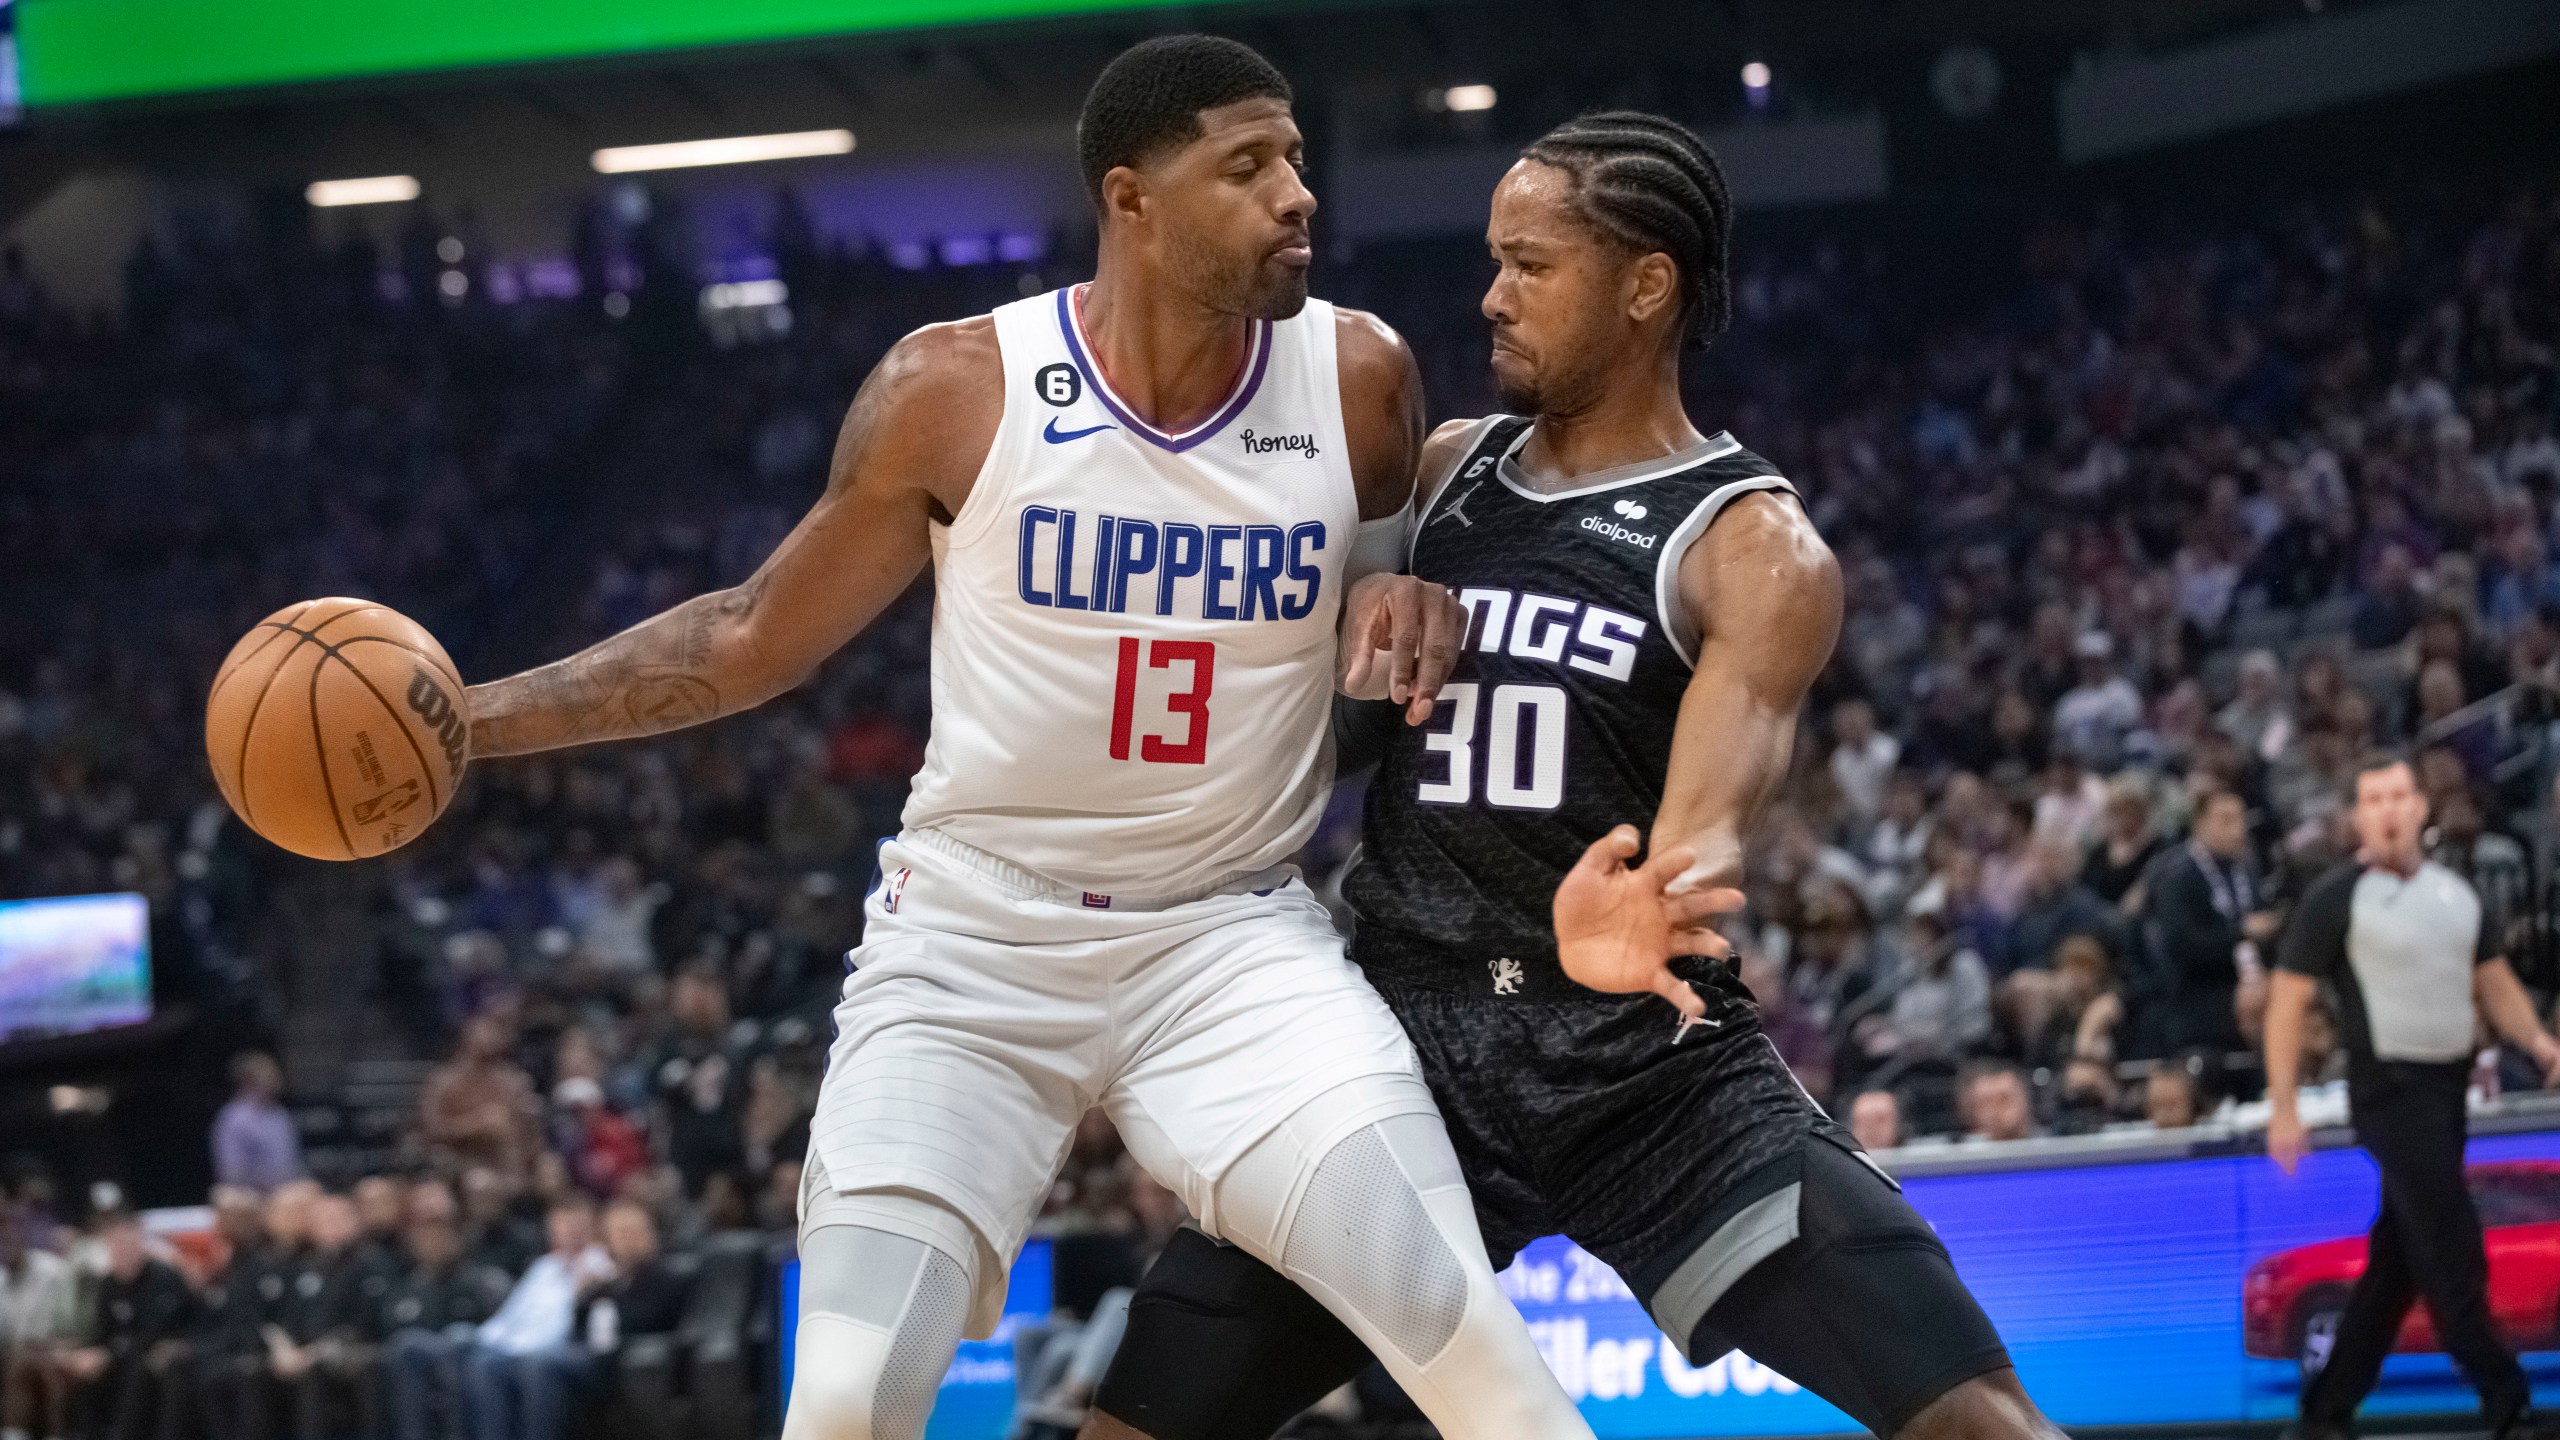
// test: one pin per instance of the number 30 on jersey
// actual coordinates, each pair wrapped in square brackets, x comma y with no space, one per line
[1522,747]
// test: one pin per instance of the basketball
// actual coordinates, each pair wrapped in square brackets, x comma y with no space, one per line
[336,729]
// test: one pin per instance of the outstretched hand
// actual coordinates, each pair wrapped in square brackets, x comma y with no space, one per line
[1617,929]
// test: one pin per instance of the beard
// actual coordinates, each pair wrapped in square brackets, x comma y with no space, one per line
[1255,290]
[1518,397]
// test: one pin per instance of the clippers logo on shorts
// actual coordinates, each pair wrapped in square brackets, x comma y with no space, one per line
[1168,567]
[1615,531]
[1096,902]
[437,709]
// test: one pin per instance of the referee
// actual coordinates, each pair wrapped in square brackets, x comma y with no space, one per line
[2404,942]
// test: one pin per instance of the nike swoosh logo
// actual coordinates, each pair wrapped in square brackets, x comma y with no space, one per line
[1055,436]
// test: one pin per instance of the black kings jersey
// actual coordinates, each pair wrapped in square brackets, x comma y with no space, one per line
[1557,723]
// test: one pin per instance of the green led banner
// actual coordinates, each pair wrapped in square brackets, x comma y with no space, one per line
[83,50]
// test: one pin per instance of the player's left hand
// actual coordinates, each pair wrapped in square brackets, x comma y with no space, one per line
[1400,637]
[1617,929]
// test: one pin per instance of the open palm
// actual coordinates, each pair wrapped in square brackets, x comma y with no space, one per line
[1617,930]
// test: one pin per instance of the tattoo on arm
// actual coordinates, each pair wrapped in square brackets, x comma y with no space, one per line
[665,673]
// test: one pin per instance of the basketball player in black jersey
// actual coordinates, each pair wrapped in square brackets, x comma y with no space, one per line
[1647,609]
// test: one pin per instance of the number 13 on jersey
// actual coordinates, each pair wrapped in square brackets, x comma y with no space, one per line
[1191,704]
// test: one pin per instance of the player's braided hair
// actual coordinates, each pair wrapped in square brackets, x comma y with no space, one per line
[1651,184]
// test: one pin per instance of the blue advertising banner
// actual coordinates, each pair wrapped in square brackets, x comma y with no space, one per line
[2149,1293]
[2119,1288]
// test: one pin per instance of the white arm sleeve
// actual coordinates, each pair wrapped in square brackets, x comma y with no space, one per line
[1382,547]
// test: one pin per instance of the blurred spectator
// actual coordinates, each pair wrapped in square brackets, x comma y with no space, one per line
[525,1366]
[613,926]
[1996,1102]
[2206,902]
[1941,1006]
[603,1149]
[1897,848]
[39,1322]
[227,1387]
[382,1208]
[129,1372]
[322,1334]
[2255,718]
[699,1080]
[646,1295]
[1862,760]
[478,1108]
[2173,1094]
[254,1143]
[498,1234]
[1875,1119]
[2125,849]
[429,1320]
[2096,714]
[2057,906]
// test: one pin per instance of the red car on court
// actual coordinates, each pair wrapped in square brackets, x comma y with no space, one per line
[2292,1300]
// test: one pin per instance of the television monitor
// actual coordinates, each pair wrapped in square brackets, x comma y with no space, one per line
[73,964]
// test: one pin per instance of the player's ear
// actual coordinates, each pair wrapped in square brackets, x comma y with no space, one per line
[1124,195]
[1652,287]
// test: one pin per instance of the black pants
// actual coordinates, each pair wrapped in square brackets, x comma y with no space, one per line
[2425,1242]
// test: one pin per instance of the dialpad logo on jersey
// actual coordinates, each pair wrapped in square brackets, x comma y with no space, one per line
[1615,531]
[1168,567]
[1277,447]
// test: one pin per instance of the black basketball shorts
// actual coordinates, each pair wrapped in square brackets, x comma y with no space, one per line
[1741,1217]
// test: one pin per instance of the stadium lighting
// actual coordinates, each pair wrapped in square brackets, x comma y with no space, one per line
[367,190]
[741,294]
[734,150]
[1470,97]
[1755,75]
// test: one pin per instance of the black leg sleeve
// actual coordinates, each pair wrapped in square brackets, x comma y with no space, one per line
[1222,1347]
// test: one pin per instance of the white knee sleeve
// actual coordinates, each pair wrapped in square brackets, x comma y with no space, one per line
[1379,1229]
[880,1316]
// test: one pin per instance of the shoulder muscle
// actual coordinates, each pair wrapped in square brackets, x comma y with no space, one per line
[927,415]
[1766,591]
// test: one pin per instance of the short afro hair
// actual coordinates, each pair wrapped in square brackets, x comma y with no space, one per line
[1149,100]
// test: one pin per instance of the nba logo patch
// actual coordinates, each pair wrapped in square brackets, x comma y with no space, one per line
[897,888]
[1096,902]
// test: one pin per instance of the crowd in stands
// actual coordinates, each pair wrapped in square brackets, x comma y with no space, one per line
[2144,551]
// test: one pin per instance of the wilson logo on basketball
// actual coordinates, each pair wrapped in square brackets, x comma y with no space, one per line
[436,708]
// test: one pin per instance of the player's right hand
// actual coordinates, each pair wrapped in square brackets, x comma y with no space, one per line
[1400,637]
[1617,931]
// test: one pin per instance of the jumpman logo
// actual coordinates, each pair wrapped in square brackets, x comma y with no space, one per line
[1457,509]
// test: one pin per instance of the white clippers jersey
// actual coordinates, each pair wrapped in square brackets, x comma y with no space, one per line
[1133,632]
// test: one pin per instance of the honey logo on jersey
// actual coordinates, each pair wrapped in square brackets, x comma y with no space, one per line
[1271,449]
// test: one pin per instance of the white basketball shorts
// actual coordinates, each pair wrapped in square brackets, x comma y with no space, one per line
[987,1010]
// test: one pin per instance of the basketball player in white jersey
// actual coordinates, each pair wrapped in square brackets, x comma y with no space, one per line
[1149,503]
